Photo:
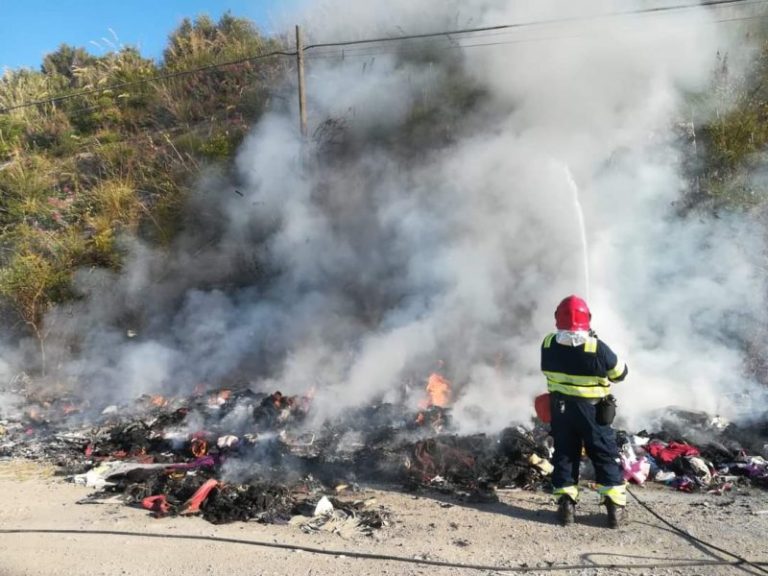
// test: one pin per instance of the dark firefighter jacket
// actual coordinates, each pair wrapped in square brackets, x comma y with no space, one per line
[584,371]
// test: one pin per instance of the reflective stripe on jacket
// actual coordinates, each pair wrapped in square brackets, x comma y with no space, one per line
[584,371]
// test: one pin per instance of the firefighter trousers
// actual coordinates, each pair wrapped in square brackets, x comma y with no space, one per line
[573,426]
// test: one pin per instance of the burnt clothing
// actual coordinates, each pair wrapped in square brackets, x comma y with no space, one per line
[585,371]
[574,426]
[579,373]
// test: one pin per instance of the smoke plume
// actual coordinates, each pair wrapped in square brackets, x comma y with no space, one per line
[430,223]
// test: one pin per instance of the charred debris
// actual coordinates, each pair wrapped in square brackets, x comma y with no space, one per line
[238,455]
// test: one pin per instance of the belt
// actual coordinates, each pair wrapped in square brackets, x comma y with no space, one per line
[561,396]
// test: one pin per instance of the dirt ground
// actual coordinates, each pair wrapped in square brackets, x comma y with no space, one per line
[45,532]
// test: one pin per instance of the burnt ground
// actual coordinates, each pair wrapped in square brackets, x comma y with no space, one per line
[45,532]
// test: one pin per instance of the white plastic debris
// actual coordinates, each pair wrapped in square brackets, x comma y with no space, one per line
[640,440]
[110,410]
[627,453]
[664,476]
[101,475]
[701,470]
[719,423]
[227,441]
[545,466]
[324,507]
[95,477]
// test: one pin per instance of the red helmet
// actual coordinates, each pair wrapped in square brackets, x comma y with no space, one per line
[572,314]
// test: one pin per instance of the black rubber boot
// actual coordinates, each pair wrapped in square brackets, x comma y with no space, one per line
[566,510]
[617,515]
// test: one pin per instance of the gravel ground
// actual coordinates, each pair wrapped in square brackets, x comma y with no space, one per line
[44,532]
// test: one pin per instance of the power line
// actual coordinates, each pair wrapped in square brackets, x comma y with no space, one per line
[658,9]
[456,43]
[446,33]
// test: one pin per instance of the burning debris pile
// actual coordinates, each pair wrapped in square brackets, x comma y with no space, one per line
[472,466]
[238,455]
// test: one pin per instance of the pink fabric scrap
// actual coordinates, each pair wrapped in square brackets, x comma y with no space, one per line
[636,471]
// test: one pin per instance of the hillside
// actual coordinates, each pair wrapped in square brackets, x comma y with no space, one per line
[108,153]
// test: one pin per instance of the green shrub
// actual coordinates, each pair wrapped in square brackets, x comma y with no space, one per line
[11,136]
[78,173]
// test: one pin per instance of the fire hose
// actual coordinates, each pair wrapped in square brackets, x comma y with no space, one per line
[689,536]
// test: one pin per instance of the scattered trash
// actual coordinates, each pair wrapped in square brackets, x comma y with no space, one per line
[192,506]
[345,519]
[665,476]
[667,453]
[545,466]
[722,489]
[109,473]
[227,441]
[324,507]
[636,471]
[700,471]
[232,455]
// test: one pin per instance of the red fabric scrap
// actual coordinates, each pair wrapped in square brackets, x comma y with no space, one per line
[192,506]
[158,505]
[668,453]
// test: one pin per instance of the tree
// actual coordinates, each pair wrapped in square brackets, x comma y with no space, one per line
[66,61]
[31,283]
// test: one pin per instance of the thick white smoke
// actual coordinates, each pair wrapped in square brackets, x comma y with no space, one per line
[371,267]
[8,400]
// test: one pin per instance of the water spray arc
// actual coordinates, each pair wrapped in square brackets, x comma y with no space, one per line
[582,227]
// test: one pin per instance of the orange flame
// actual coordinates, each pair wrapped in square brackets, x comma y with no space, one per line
[68,409]
[198,446]
[158,400]
[278,400]
[438,392]
[219,398]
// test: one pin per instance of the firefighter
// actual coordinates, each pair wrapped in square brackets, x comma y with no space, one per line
[579,369]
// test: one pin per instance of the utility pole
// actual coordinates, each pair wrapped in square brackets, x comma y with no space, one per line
[302,92]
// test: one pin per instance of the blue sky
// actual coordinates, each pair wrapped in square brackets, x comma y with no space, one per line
[29,29]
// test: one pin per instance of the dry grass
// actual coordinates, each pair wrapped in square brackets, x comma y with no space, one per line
[20,470]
